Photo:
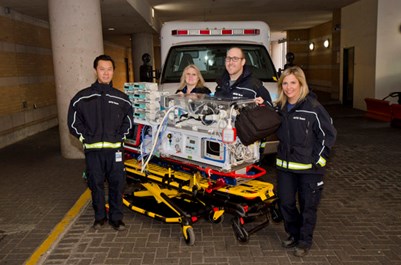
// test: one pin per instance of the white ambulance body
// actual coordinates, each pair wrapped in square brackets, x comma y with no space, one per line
[205,44]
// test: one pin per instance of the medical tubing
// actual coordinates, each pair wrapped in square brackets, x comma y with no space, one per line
[157,137]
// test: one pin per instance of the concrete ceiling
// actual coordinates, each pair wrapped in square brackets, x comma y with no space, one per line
[134,16]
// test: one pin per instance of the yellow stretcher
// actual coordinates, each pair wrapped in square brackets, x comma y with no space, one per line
[175,193]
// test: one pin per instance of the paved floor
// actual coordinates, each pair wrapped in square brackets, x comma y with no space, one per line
[359,219]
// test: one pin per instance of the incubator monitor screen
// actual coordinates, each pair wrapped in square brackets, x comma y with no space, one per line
[213,150]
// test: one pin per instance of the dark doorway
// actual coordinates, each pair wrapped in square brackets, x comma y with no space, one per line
[348,77]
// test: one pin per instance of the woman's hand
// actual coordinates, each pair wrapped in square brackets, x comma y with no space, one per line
[259,100]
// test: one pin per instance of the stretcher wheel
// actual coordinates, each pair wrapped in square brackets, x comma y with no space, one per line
[189,235]
[215,221]
[239,230]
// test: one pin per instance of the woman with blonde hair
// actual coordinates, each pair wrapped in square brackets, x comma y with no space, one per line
[306,136]
[303,87]
[192,81]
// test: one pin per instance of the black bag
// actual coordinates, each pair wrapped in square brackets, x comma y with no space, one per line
[256,123]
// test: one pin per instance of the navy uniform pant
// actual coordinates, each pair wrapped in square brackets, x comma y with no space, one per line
[299,221]
[101,166]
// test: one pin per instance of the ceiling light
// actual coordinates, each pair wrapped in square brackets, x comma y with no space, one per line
[326,43]
[311,46]
[111,29]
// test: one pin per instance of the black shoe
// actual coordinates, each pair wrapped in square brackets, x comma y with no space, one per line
[117,225]
[301,251]
[290,242]
[99,223]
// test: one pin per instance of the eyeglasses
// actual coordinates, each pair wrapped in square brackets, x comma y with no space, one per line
[234,59]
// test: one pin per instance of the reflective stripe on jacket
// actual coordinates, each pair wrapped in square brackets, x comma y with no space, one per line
[101,145]
[298,166]
[292,165]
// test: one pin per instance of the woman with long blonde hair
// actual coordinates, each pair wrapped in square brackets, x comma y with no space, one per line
[303,86]
[192,81]
[306,136]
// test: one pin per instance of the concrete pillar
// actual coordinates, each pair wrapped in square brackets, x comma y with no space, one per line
[141,43]
[76,35]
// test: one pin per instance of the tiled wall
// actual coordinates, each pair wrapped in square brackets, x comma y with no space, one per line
[27,85]
[28,96]
[26,72]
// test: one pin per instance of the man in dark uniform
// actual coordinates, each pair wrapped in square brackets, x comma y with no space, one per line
[237,81]
[101,117]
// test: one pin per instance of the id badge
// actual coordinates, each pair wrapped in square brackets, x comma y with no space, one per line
[119,156]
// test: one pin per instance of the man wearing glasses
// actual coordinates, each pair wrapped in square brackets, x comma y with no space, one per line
[237,81]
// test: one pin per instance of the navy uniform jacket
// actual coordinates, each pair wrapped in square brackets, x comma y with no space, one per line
[306,136]
[100,116]
[245,87]
[197,90]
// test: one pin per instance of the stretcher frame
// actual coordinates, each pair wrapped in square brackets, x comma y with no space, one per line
[175,192]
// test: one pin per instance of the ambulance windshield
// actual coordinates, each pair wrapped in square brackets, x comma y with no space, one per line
[209,58]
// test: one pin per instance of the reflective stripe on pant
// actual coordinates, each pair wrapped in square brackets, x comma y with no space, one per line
[299,223]
[101,166]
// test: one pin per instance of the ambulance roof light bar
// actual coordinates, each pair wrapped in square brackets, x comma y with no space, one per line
[214,32]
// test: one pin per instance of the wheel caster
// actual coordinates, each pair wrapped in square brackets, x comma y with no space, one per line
[216,217]
[189,235]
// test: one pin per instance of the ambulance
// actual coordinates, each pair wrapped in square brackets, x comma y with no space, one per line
[205,44]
